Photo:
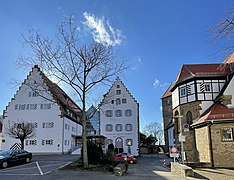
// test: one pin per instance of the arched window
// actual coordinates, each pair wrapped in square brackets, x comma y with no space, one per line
[119,142]
[189,117]
[176,122]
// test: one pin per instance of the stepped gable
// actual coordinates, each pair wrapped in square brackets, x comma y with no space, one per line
[216,113]
[58,94]
[118,79]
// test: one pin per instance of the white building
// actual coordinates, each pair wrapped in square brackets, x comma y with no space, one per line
[44,103]
[119,119]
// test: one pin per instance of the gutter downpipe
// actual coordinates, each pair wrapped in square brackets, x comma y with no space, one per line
[63,138]
[210,144]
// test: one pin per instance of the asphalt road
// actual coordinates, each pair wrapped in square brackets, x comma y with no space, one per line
[47,167]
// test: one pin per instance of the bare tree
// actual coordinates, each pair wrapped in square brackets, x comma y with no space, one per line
[154,129]
[80,66]
[223,32]
[21,130]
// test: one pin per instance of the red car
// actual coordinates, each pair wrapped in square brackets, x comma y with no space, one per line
[125,157]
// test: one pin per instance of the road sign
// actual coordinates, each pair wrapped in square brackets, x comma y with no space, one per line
[186,127]
[174,152]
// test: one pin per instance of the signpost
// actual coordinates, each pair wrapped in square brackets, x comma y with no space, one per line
[174,152]
[186,127]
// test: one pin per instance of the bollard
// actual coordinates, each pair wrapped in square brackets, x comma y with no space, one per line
[164,163]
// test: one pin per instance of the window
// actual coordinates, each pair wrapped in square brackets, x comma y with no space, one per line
[112,101]
[118,86]
[227,134]
[128,127]
[66,142]
[109,113]
[124,101]
[118,102]
[67,126]
[128,112]
[48,125]
[45,106]
[73,129]
[118,127]
[189,118]
[118,92]
[129,142]
[118,113]
[109,127]
[47,142]
[183,92]
[35,94]
[207,87]
[31,142]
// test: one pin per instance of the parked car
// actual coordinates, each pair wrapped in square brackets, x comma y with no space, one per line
[10,157]
[126,157]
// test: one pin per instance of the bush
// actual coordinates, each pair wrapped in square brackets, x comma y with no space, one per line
[95,153]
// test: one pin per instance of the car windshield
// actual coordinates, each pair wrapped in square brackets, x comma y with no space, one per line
[7,152]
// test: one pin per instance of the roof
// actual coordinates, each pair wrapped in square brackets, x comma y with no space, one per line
[189,71]
[229,59]
[167,93]
[112,86]
[58,94]
[216,113]
[60,97]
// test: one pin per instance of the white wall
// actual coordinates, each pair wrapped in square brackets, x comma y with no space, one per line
[36,109]
[123,120]
[230,91]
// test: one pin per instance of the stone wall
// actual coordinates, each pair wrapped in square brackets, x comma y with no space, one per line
[223,152]
[167,117]
[202,143]
[189,144]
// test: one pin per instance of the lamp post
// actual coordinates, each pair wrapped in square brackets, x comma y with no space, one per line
[181,137]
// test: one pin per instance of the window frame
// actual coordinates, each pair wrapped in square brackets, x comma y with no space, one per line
[222,134]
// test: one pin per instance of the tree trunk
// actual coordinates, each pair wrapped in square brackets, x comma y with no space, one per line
[22,143]
[84,135]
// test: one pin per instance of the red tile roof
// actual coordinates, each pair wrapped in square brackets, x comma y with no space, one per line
[60,96]
[189,71]
[217,112]
[167,93]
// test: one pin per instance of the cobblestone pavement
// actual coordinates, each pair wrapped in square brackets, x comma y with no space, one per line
[214,174]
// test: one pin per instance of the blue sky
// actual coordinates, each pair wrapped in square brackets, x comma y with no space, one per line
[155,36]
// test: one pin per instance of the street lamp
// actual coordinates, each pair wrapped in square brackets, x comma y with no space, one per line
[181,137]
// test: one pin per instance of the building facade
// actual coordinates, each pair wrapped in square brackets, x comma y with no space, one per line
[197,88]
[167,119]
[50,109]
[119,119]
[93,121]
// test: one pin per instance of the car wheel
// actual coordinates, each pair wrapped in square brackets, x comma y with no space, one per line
[27,160]
[4,164]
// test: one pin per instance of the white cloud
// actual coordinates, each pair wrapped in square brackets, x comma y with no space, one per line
[136,62]
[102,32]
[158,83]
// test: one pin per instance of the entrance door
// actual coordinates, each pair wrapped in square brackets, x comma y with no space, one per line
[119,145]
